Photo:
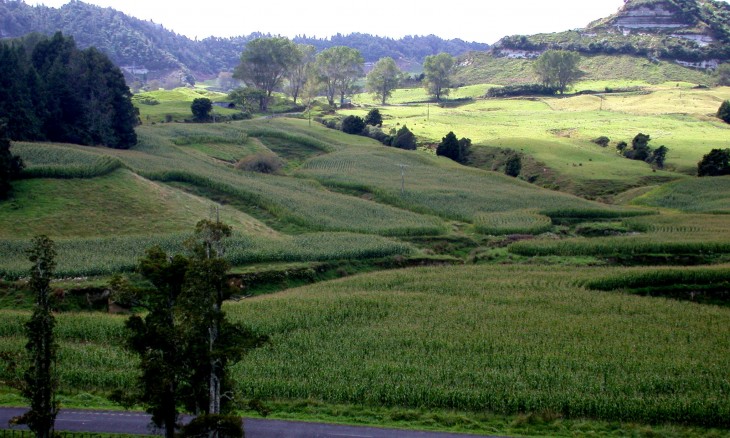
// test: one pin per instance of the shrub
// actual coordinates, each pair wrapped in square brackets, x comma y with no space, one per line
[522,90]
[353,125]
[513,166]
[716,163]
[723,113]
[404,139]
[374,118]
[261,163]
[601,141]
[377,134]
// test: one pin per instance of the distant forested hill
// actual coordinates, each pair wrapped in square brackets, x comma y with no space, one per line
[131,42]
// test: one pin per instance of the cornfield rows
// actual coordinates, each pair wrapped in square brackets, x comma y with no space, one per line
[506,339]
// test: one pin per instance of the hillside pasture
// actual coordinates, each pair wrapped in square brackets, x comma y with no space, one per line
[432,185]
[620,70]
[121,203]
[161,105]
[557,132]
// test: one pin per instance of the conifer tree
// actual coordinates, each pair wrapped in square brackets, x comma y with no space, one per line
[41,380]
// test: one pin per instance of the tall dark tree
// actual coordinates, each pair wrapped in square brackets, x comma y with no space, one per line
[157,339]
[53,91]
[10,166]
[41,379]
[185,342]
[18,88]
[212,342]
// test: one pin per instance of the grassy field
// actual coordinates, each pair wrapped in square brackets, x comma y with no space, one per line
[621,71]
[557,132]
[503,339]
[169,105]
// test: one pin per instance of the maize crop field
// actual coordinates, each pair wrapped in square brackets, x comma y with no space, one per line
[505,339]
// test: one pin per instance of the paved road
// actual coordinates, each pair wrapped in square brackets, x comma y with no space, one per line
[137,423]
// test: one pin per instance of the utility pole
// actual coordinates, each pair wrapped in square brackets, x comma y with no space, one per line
[403,178]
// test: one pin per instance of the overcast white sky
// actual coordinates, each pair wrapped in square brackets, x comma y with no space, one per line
[471,20]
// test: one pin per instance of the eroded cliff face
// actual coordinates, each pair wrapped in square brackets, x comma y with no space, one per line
[650,17]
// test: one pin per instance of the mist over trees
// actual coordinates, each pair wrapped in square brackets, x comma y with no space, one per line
[52,91]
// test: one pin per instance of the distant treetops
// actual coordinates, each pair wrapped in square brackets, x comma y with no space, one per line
[52,91]
[268,64]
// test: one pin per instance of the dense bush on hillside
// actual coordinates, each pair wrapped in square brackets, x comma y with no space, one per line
[716,163]
[50,90]
[640,150]
[723,113]
[457,150]
[521,90]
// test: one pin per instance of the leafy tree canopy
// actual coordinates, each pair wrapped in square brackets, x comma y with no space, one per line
[438,70]
[384,78]
[264,64]
[558,68]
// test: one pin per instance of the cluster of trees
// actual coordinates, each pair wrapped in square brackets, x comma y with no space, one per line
[277,63]
[457,150]
[184,339]
[640,150]
[50,90]
[370,126]
[267,62]
[10,165]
